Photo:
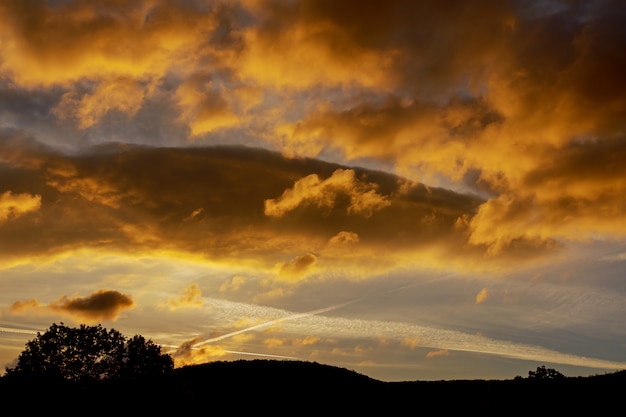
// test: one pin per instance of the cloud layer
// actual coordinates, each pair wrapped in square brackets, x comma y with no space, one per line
[226,203]
[509,99]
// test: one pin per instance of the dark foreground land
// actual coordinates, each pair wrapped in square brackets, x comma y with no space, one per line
[260,387]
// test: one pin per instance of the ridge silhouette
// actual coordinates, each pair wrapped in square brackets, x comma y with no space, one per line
[288,387]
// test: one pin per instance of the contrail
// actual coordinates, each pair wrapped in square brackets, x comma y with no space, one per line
[20,331]
[429,337]
[261,354]
[272,322]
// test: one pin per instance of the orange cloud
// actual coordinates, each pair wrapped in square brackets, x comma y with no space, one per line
[482,296]
[411,342]
[23,307]
[436,353]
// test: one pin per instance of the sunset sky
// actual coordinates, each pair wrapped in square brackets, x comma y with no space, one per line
[414,190]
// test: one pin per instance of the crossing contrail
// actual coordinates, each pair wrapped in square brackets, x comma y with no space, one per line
[272,322]
[429,337]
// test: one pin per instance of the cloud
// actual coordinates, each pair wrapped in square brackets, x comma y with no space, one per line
[16,205]
[121,94]
[498,79]
[344,238]
[297,268]
[136,199]
[273,342]
[24,307]
[186,354]
[101,305]
[306,341]
[66,42]
[482,296]
[436,353]
[411,342]
[76,48]
[233,284]
[189,297]
[204,106]
[363,198]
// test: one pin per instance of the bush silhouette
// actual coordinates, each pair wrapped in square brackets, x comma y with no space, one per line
[89,353]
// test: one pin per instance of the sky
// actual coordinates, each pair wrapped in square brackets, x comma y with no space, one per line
[413,190]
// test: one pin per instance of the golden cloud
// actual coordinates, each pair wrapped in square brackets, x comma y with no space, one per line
[186,354]
[16,205]
[306,54]
[122,94]
[297,268]
[233,284]
[204,107]
[307,341]
[344,238]
[273,342]
[189,297]
[363,198]
[64,43]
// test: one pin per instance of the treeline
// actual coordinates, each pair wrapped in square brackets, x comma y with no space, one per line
[91,371]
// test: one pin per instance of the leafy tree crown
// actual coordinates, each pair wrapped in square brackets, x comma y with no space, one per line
[89,353]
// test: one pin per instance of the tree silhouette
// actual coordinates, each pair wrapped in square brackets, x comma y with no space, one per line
[89,353]
[545,373]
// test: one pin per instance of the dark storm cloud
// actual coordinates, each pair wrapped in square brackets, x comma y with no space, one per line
[212,202]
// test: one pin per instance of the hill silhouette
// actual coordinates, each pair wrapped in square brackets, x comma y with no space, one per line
[298,387]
